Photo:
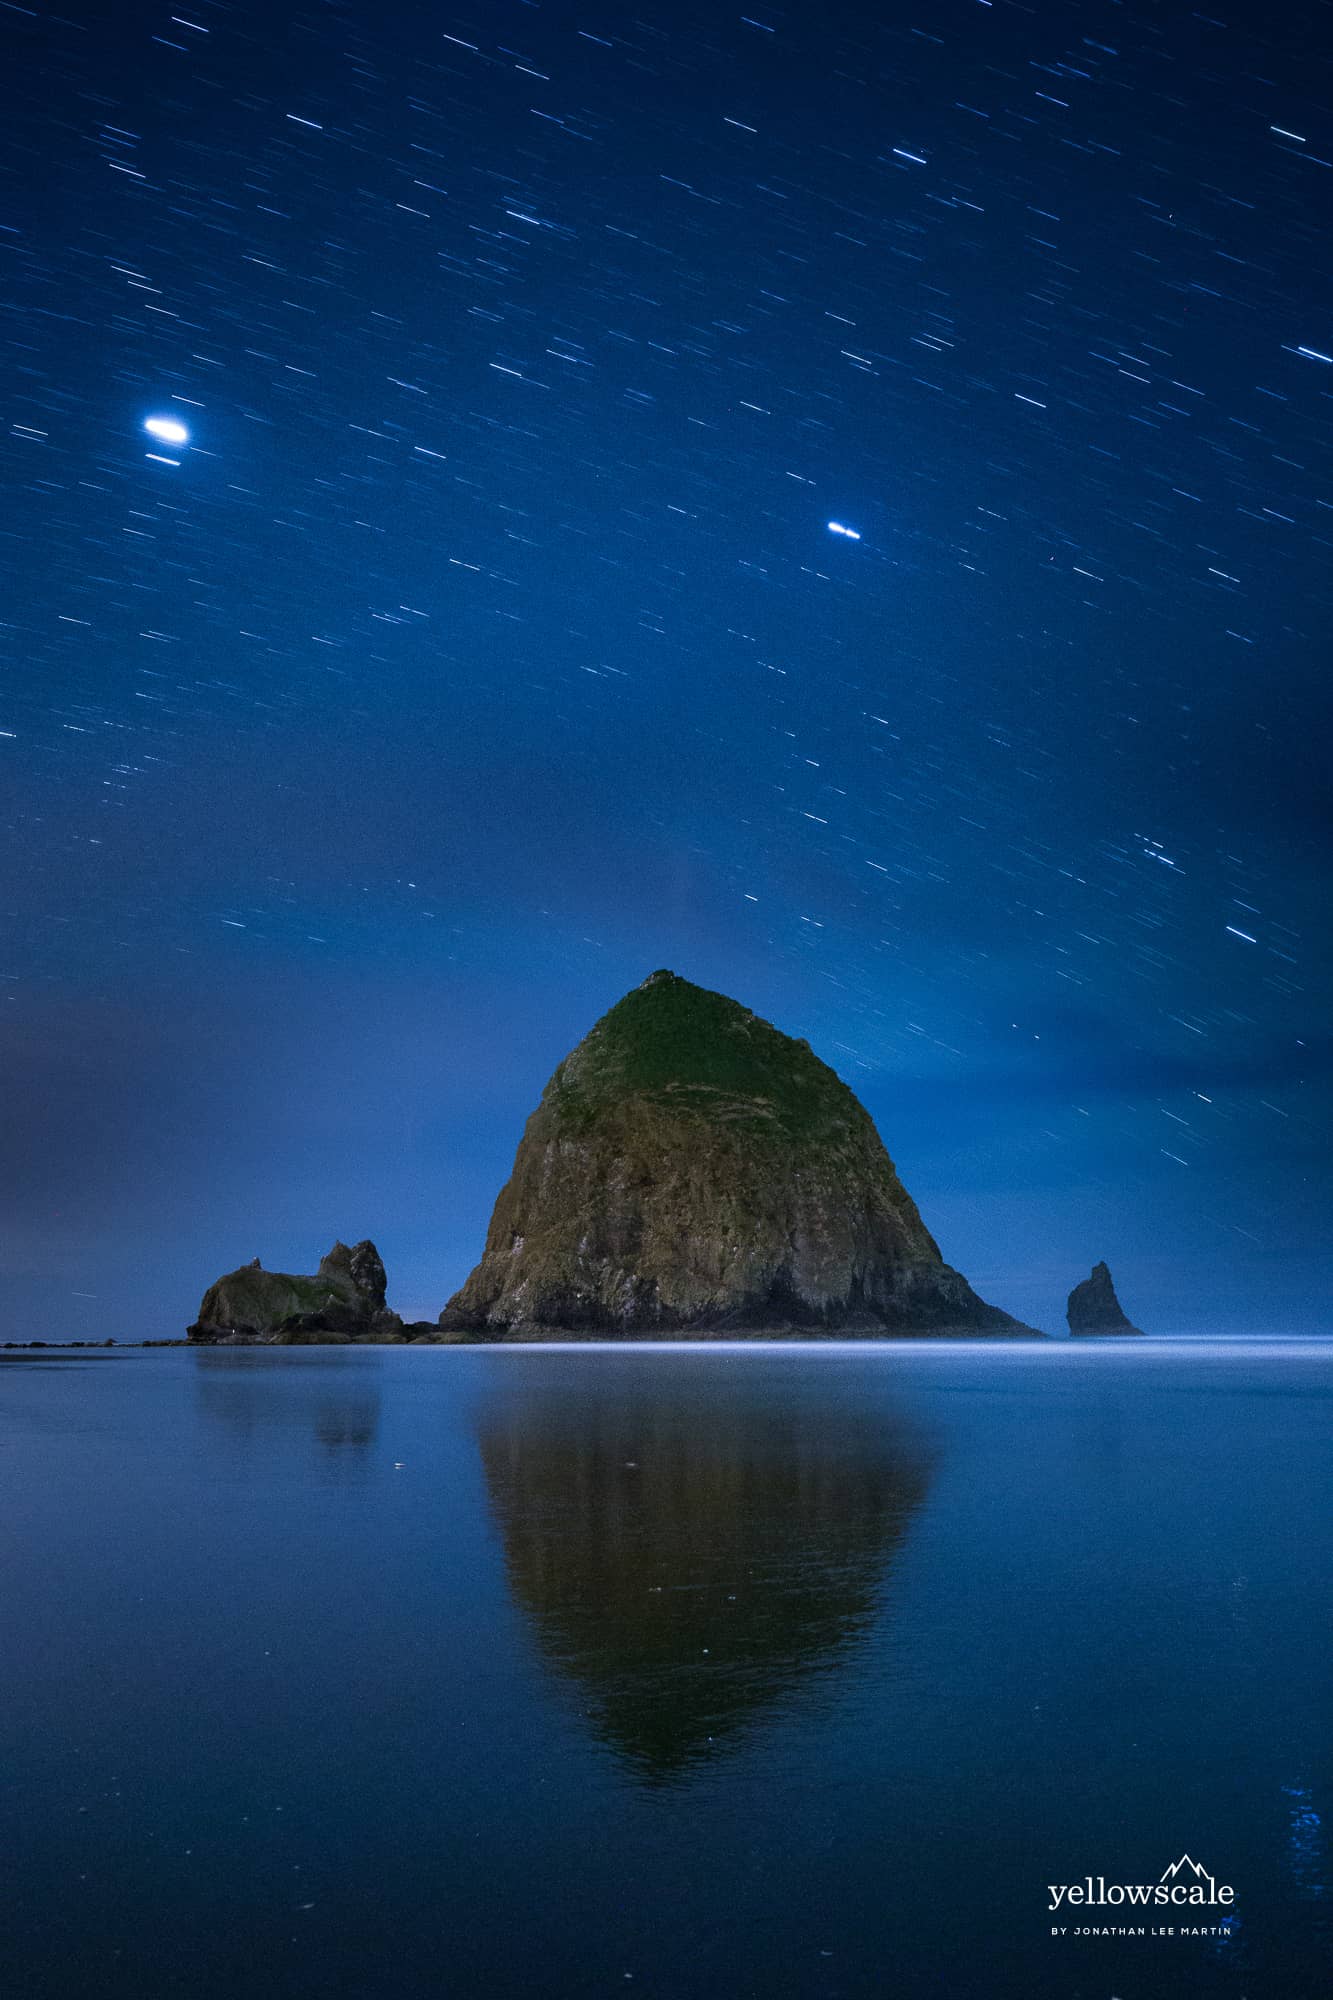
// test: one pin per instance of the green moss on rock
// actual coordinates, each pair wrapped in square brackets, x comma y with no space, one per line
[698,1054]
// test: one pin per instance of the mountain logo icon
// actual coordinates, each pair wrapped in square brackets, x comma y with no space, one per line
[1188,1866]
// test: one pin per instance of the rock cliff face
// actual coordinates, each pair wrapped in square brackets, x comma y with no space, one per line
[343,1301]
[1094,1308]
[690,1170]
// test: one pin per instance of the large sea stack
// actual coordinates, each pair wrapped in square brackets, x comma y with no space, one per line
[692,1171]
[344,1300]
[1094,1308]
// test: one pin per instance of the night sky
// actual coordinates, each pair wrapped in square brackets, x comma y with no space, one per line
[488,641]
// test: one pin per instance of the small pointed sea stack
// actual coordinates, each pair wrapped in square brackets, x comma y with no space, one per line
[1094,1308]
[692,1171]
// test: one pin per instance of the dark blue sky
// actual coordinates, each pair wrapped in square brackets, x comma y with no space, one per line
[487,645]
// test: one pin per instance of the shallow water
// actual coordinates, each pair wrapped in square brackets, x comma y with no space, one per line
[674,1672]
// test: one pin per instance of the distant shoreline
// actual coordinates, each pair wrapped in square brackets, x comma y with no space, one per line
[776,1338]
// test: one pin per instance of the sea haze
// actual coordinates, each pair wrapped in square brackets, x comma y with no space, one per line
[682,1672]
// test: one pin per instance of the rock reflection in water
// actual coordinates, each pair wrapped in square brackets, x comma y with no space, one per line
[326,1393]
[690,1554]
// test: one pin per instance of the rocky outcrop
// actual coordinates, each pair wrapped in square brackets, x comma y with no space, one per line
[1094,1308]
[691,1171]
[343,1301]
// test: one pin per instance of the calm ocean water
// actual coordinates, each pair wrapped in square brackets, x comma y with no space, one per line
[687,1674]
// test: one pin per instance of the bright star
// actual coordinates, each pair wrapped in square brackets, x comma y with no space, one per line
[167,430]
[852,534]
